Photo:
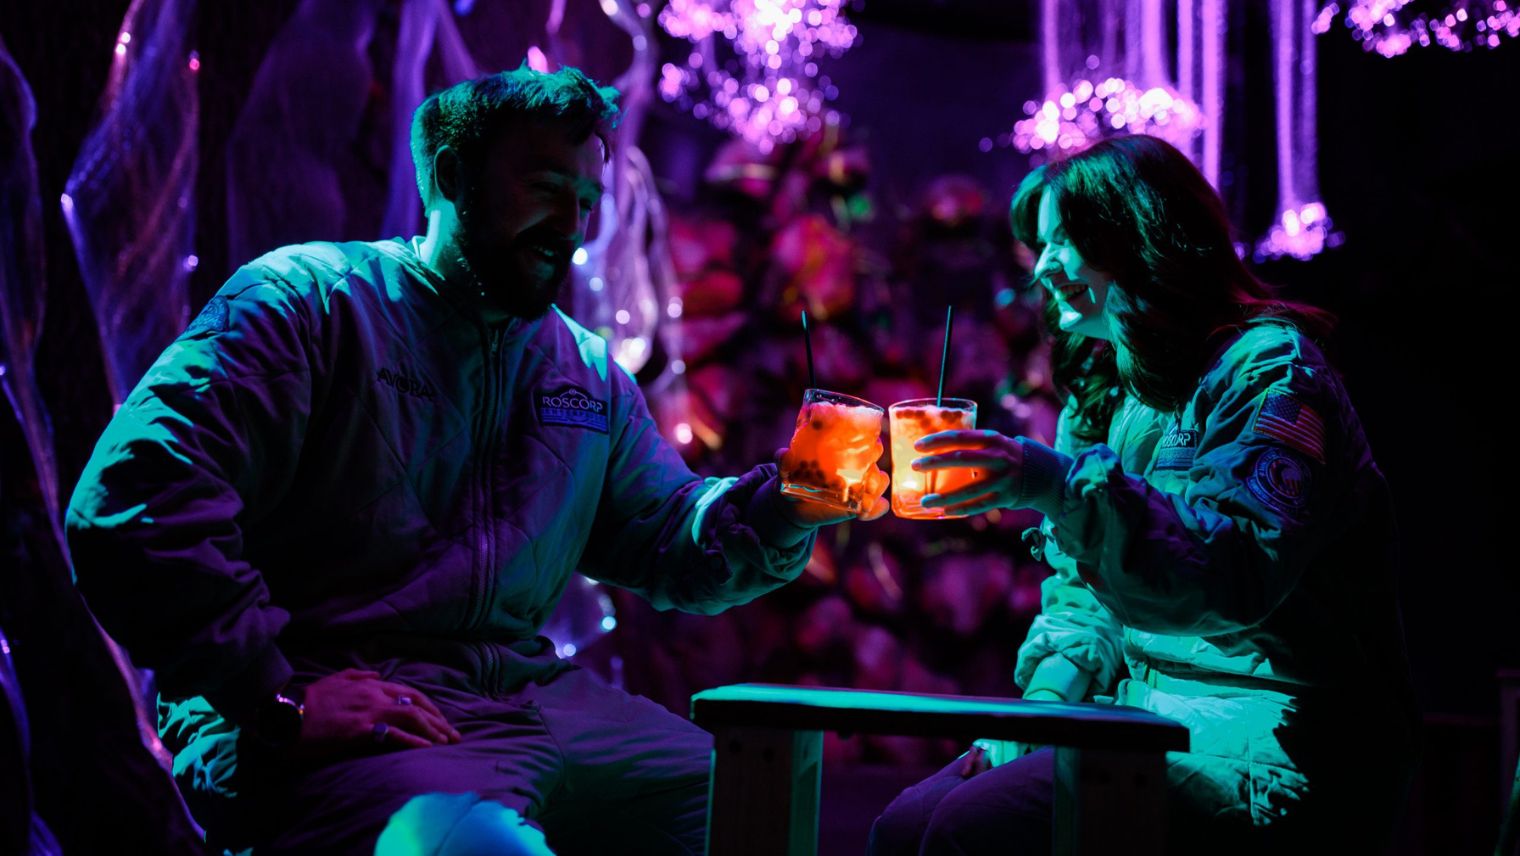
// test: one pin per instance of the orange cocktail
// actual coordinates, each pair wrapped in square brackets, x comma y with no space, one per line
[837,441]
[912,420]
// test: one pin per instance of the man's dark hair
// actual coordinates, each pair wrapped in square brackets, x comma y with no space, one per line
[466,115]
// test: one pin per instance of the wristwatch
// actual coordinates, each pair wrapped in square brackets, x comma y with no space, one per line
[277,723]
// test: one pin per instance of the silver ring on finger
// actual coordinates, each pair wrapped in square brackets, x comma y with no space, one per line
[379,732]
[403,699]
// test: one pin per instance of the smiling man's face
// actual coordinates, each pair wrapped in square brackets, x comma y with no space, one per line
[523,212]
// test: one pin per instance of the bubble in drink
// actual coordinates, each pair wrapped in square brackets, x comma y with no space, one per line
[910,422]
[837,440]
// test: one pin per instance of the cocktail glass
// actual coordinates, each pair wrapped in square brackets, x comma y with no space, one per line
[838,439]
[910,421]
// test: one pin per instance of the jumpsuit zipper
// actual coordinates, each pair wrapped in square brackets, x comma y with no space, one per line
[484,460]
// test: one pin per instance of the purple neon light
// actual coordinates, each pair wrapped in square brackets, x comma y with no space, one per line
[1302,228]
[1288,88]
[1212,42]
[1153,41]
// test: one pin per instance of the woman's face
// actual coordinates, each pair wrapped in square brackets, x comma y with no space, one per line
[1080,291]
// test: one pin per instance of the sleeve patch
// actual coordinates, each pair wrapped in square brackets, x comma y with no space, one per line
[1291,422]
[1177,449]
[1281,480]
[213,319]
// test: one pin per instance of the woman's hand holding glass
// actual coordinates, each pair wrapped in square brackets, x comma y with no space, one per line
[1000,460]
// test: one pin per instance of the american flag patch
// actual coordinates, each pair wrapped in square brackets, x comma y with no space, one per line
[1292,422]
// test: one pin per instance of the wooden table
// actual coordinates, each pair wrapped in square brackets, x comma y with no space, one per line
[768,745]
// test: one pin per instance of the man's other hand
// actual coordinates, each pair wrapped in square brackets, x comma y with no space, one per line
[354,711]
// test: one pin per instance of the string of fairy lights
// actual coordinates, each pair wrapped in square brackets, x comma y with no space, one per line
[763,81]
[1389,28]
[1073,119]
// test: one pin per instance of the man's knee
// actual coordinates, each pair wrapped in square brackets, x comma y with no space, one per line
[459,825]
[973,826]
[900,828]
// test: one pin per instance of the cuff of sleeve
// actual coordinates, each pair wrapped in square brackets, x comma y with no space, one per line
[241,695]
[1044,478]
[772,522]
[1060,676]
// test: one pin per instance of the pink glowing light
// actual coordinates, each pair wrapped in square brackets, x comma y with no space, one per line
[1071,119]
[1389,29]
[1301,233]
[671,82]
[766,92]
[1303,227]
[1107,71]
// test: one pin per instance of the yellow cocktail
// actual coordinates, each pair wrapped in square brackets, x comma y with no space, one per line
[910,421]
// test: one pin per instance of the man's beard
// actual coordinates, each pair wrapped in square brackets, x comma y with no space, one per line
[497,276]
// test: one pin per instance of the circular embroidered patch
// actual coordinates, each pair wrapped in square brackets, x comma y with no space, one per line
[1281,480]
[212,319]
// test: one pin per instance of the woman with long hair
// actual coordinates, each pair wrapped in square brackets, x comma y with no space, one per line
[1222,540]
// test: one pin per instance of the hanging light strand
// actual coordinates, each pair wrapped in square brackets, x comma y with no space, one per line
[1388,28]
[753,69]
[1071,119]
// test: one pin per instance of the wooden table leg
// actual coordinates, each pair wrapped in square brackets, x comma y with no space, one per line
[764,798]
[1110,802]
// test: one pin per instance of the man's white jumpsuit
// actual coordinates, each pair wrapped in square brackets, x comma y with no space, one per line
[340,465]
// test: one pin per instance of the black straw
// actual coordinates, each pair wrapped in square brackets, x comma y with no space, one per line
[944,357]
[807,339]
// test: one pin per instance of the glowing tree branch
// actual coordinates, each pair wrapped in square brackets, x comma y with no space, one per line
[129,200]
[23,286]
